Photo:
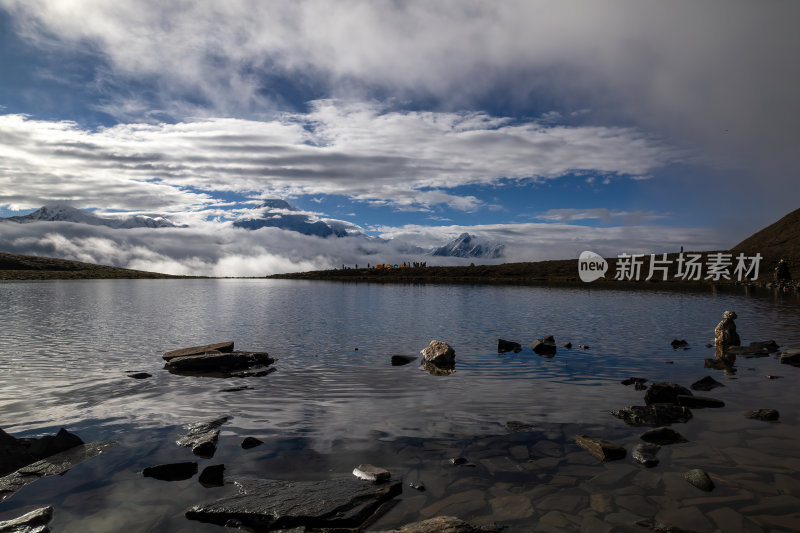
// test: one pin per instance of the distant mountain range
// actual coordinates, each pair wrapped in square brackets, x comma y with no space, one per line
[274,213]
[65,213]
[466,245]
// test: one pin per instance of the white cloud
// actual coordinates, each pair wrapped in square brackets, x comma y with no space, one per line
[405,159]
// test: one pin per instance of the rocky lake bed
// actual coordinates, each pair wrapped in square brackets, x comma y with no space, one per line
[700,437]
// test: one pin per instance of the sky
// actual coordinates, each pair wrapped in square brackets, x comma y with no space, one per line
[620,126]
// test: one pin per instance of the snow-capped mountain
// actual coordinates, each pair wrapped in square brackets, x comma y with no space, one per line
[277,213]
[65,213]
[466,245]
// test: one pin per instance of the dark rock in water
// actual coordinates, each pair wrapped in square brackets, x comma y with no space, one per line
[545,346]
[663,436]
[439,353]
[202,437]
[791,357]
[445,524]
[665,392]
[767,415]
[251,374]
[223,347]
[140,375]
[235,389]
[53,465]
[172,471]
[213,476]
[514,425]
[770,346]
[266,505]
[782,272]
[768,376]
[438,370]
[646,454]
[583,347]
[369,472]
[16,453]
[33,522]
[218,361]
[251,442]
[600,449]
[634,381]
[461,461]
[417,485]
[679,343]
[755,349]
[653,415]
[400,360]
[699,402]
[699,479]
[725,332]
[567,345]
[507,346]
[706,384]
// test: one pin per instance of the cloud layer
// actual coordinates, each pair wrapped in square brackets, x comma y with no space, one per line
[406,159]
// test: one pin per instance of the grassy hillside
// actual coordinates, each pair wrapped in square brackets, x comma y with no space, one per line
[28,267]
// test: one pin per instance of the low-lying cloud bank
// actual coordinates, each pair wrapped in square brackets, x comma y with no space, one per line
[218,249]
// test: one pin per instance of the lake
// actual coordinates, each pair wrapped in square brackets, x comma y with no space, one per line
[335,401]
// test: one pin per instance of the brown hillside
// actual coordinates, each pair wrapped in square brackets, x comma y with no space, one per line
[776,241]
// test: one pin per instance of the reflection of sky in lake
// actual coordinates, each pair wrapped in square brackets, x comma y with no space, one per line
[65,347]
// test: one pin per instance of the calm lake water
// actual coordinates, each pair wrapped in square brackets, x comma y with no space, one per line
[335,400]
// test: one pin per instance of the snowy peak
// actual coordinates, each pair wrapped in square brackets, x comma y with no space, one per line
[66,213]
[276,213]
[466,245]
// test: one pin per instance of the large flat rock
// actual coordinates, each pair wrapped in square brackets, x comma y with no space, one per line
[51,466]
[196,350]
[218,361]
[267,504]
[33,522]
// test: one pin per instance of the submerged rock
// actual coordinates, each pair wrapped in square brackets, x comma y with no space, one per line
[266,504]
[646,454]
[172,471]
[444,524]
[369,472]
[653,415]
[679,343]
[706,384]
[212,476]
[665,392]
[508,346]
[514,425]
[600,449]
[223,347]
[251,442]
[139,375]
[438,370]
[699,402]
[33,522]
[663,435]
[439,353]
[53,465]
[202,437]
[545,346]
[767,415]
[725,332]
[661,527]
[417,485]
[461,461]
[699,479]
[400,360]
[567,345]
